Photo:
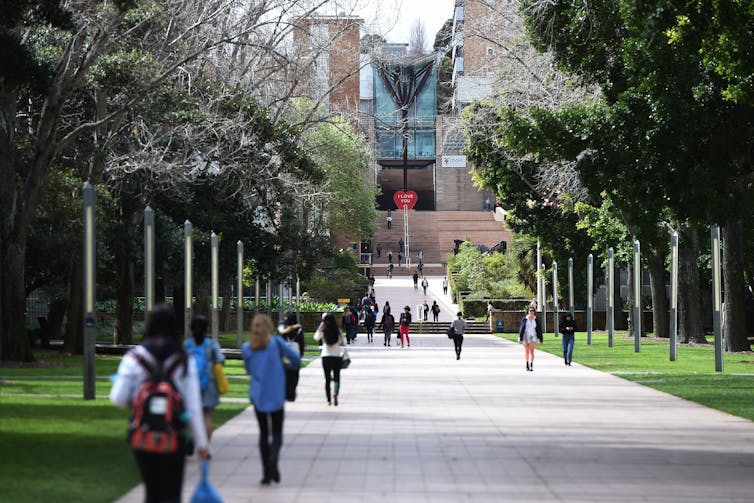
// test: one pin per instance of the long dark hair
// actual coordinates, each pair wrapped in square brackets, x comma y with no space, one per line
[199,327]
[161,335]
[330,329]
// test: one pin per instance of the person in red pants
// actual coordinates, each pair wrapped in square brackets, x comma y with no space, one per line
[405,326]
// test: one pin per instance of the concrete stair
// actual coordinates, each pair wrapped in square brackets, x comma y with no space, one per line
[434,232]
[431,327]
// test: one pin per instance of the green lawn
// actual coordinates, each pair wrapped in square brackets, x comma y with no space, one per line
[55,445]
[692,376]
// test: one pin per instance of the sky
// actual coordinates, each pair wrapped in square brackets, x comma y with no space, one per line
[393,18]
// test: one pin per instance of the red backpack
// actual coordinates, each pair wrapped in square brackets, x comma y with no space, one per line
[157,420]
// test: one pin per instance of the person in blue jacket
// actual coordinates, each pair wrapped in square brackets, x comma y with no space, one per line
[263,358]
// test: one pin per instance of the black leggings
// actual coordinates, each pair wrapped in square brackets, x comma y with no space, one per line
[269,448]
[331,365]
[162,475]
[458,343]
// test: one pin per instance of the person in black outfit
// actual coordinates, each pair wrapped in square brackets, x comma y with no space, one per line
[416,280]
[568,329]
[370,319]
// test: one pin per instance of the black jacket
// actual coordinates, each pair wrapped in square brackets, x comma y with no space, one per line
[568,327]
[522,329]
[293,333]
[405,319]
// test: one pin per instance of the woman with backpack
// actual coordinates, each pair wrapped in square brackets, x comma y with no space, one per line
[435,311]
[329,336]
[388,325]
[263,357]
[206,352]
[158,371]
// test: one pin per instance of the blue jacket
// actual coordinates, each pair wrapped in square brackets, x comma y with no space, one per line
[265,367]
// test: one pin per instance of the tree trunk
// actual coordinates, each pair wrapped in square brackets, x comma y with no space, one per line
[15,342]
[225,318]
[55,317]
[124,326]
[660,305]
[74,314]
[630,300]
[690,325]
[735,331]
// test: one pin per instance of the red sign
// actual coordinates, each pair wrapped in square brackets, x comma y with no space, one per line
[405,199]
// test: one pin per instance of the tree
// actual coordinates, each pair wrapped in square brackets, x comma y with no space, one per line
[370,42]
[417,43]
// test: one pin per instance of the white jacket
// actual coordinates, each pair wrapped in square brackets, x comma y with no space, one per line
[131,375]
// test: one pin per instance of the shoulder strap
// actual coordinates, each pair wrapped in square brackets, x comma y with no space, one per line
[145,360]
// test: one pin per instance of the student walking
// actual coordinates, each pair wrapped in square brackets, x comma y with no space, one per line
[370,319]
[390,270]
[416,280]
[457,329]
[349,320]
[390,257]
[490,310]
[568,330]
[405,326]
[389,220]
[445,285]
[400,258]
[263,356]
[425,285]
[329,336]
[138,385]
[293,333]
[206,352]
[401,245]
[421,255]
[388,324]
[425,308]
[529,332]
[379,250]
[435,311]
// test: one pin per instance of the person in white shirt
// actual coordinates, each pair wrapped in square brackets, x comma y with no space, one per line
[162,472]
[445,286]
[458,327]
[529,332]
[329,336]
[425,285]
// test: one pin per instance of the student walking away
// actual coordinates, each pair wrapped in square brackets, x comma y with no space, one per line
[529,332]
[386,308]
[264,357]
[445,285]
[379,250]
[401,245]
[390,257]
[388,325]
[293,333]
[568,329]
[206,353]
[416,281]
[425,285]
[435,311]
[421,267]
[389,220]
[329,336]
[488,204]
[425,308]
[366,304]
[370,319]
[347,321]
[456,331]
[421,255]
[161,386]
[405,326]
[400,258]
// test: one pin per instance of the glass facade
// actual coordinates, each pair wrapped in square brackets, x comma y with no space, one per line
[421,121]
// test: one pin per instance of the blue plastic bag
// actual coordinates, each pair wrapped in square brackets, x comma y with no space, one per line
[204,492]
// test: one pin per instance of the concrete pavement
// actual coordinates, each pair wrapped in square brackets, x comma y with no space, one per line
[415,425]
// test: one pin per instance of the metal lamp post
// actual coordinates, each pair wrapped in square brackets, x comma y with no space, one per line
[570,287]
[717,319]
[188,262]
[539,277]
[610,296]
[589,296]
[544,297]
[637,296]
[556,308]
[673,296]
[239,296]
[215,245]
[90,296]
[148,260]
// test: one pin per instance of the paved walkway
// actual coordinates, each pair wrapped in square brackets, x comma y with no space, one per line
[415,425]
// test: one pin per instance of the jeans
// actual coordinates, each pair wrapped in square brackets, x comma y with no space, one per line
[331,365]
[568,340]
[458,343]
[269,446]
[162,475]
